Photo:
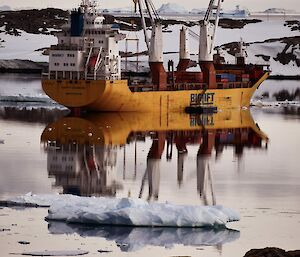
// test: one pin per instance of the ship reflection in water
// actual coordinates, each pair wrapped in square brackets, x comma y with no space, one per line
[83,157]
[82,152]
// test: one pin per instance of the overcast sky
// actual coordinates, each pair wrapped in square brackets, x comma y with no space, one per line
[252,5]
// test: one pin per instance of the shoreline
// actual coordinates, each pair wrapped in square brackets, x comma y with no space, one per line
[30,67]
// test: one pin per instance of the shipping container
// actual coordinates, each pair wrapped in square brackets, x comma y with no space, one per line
[230,77]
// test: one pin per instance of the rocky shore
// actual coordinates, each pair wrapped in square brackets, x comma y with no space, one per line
[272,252]
[22,66]
[283,53]
[44,21]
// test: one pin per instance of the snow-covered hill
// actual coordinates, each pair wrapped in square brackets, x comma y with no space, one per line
[265,40]
[278,11]
[5,8]
[282,54]
[198,10]
[128,9]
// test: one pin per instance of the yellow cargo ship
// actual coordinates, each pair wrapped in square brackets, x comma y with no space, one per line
[115,95]
[85,71]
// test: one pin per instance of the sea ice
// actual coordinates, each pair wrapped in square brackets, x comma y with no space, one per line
[56,253]
[128,211]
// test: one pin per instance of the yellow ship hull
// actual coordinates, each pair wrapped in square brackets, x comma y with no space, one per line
[102,95]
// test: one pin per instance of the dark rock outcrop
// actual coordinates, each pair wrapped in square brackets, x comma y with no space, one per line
[22,66]
[294,25]
[32,21]
[272,252]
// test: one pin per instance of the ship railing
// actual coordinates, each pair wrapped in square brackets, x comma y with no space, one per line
[187,86]
[46,76]
[176,87]
[75,76]
[66,47]
[232,85]
[94,77]
[142,88]
[59,75]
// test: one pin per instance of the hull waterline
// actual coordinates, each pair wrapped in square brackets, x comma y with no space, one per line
[101,95]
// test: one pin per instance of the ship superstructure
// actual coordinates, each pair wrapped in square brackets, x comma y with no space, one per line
[87,48]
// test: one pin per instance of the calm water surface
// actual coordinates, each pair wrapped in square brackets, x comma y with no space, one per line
[245,160]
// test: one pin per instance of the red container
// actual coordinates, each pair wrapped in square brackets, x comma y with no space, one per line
[224,80]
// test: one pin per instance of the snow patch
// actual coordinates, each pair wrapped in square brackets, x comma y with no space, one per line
[24,46]
[128,212]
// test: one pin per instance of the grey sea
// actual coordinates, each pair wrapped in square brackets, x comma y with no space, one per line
[247,160]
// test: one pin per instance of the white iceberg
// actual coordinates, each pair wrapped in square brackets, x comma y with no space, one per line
[128,211]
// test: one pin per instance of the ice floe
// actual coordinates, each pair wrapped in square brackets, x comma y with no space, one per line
[130,239]
[261,103]
[23,101]
[23,98]
[56,253]
[128,211]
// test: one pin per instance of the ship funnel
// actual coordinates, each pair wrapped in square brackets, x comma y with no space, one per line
[77,22]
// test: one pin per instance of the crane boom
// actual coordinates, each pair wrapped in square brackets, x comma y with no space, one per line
[154,44]
[146,37]
[208,30]
[153,16]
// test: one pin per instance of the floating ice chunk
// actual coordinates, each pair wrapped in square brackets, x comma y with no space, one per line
[274,104]
[132,239]
[25,99]
[56,253]
[128,211]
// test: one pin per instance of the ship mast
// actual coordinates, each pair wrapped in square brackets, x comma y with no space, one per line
[208,28]
[154,44]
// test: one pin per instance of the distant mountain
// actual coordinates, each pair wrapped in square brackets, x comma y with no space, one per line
[198,11]
[5,8]
[172,8]
[128,9]
[278,10]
